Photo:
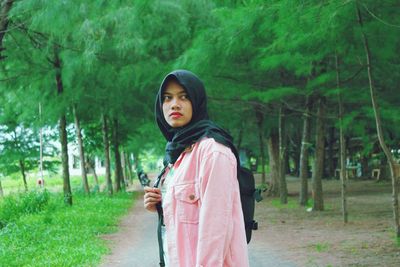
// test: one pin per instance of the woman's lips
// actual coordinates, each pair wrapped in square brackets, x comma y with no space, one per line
[176,115]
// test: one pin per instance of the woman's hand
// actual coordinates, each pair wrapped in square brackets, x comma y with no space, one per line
[151,197]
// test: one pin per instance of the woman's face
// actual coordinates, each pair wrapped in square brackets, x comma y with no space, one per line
[177,107]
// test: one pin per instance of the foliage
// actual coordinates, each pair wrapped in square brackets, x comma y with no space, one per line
[253,56]
[55,235]
[13,207]
[252,52]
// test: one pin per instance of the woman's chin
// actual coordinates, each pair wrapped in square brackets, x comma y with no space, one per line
[177,124]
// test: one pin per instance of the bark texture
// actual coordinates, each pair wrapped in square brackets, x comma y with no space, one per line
[117,156]
[64,160]
[318,169]
[106,147]
[125,173]
[22,168]
[90,165]
[304,153]
[394,168]
[273,151]
[81,152]
[129,166]
[342,151]
[295,152]
[331,152]
[365,171]
[63,133]
[283,192]
[260,127]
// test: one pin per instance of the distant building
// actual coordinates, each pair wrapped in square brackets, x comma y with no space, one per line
[74,162]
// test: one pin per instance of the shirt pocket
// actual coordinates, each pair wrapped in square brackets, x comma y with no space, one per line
[187,203]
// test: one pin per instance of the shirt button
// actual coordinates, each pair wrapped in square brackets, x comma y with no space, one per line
[191,197]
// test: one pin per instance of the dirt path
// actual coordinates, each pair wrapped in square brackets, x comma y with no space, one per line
[135,244]
[289,236]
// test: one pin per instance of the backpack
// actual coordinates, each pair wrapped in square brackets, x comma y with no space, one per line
[248,195]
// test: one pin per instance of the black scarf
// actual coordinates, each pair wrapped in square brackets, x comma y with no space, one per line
[200,126]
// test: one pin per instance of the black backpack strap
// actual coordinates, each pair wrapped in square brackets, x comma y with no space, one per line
[159,237]
[160,220]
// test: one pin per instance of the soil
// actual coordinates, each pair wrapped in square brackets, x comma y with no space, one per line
[311,238]
[288,235]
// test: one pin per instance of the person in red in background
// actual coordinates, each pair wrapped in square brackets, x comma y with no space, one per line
[199,198]
[40,182]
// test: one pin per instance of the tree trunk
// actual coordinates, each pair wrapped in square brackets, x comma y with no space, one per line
[394,169]
[129,163]
[41,146]
[296,146]
[64,160]
[22,167]
[343,173]
[95,177]
[63,133]
[273,151]
[81,151]
[124,166]
[260,126]
[331,152]
[319,159]
[91,167]
[117,156]
[296,166]
[282,156]
[365,171]
[127,169]
[106,147]
[287,158]
[305,147]
[5,9]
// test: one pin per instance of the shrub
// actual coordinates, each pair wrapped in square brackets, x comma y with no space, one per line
[63,235]
[14,206]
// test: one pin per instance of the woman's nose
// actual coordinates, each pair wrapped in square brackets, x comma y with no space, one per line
[175,103]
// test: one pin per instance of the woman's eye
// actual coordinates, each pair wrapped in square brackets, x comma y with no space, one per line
[184,97]
[166,97]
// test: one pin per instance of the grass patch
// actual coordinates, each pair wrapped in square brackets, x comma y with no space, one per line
[292,204]
[310,205]
[321,247]
[397,241]
[53,182]
[53,234]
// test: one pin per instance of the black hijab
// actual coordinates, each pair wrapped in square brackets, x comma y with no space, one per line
[200,126]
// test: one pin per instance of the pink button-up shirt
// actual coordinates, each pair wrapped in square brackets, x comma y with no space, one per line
[202,209]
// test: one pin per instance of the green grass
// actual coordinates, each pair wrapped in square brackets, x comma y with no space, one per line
[57,235]
[292,204]
[14,183]
[397,241]
[321,247]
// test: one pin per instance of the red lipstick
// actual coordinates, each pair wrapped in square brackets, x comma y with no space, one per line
[176,115]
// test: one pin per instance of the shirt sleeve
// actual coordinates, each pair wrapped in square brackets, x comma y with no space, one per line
[218,182]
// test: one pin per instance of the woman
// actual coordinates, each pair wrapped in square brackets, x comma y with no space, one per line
[203,221]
